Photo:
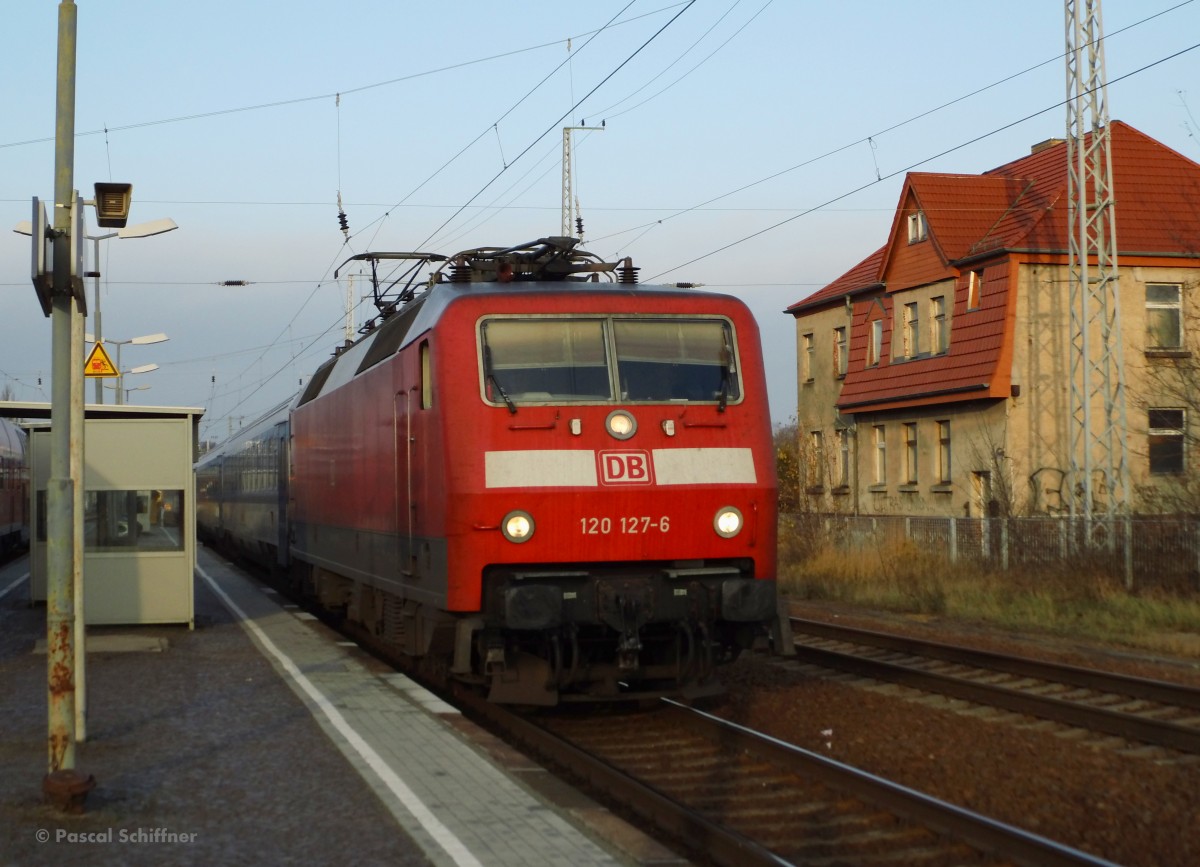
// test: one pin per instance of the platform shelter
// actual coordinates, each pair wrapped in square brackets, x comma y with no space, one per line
[139,532]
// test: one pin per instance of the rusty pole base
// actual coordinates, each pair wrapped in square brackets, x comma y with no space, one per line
[67,790]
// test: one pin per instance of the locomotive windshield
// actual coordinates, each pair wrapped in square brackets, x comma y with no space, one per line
[652,360]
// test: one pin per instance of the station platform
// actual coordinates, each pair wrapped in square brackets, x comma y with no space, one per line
[262,737]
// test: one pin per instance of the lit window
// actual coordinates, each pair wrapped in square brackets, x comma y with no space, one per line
[1164,316]
[875,347]
[806,358]
[840,354]
[911,343]
[880,454]
[939,334]
[1166,441]
[974,289]
[910,453]
[918,230]
[943,428]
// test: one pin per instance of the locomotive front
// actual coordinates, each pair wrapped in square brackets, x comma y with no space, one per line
[611,488]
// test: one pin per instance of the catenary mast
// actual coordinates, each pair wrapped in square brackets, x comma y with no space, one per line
[1099,461]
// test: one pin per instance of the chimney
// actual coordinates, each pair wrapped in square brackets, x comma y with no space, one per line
[1046,145]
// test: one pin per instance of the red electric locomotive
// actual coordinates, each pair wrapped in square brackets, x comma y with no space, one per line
[541,476]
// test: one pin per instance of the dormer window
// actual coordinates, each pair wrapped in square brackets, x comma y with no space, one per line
[918,229]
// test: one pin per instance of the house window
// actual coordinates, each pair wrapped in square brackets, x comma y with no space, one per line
[943,462]
[1166,441]
[911,343]
[918,230]
[974,287]
[939,334]
[843,462]
[806,358]
[840,355]
[816,459]
[875,346]
[880,441]
[1164,316]
[910,453]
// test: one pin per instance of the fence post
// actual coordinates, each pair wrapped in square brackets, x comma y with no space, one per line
[953,540]
[1128,553]
[1004,544]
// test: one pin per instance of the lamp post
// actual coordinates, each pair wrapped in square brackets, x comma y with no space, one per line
[141,230]
[136,341]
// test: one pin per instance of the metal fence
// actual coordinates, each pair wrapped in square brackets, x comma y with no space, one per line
[1144,552]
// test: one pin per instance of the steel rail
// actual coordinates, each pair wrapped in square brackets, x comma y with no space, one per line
[723,845]
[988,835]
[1126,725]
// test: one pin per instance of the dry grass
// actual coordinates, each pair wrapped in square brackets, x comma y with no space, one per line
[1079,603]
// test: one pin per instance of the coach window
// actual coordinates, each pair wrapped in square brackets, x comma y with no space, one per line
[426,376]
[676,360]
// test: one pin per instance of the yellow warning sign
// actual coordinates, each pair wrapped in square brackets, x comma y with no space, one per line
[98,363]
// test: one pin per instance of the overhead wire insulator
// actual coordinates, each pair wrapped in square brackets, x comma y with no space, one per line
[343,221]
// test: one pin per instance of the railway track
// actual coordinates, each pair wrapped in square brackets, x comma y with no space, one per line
[1135,709]
[732,796]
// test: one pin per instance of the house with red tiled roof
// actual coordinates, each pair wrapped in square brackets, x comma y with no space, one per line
[934,374]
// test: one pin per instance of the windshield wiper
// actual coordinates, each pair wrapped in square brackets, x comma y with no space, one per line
[512,407]
[490,376]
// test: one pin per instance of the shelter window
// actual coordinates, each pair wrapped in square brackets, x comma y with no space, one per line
[1164,316]
[127,520]
[1166,441]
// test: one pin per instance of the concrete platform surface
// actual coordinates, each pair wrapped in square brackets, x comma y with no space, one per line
[261,737]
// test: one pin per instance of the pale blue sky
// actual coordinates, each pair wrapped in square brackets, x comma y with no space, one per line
[224,117]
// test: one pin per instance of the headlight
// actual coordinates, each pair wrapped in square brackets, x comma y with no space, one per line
[728,522]
[517,526]
[620,424]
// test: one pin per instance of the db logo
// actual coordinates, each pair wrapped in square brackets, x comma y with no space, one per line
[625,468]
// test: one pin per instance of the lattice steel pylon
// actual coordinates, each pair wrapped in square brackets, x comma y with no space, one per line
[1099,461]
[569,231]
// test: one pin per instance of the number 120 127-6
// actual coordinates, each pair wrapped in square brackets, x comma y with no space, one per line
[628,525]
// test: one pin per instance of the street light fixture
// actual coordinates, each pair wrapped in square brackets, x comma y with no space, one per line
[141,230]
[136,341]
